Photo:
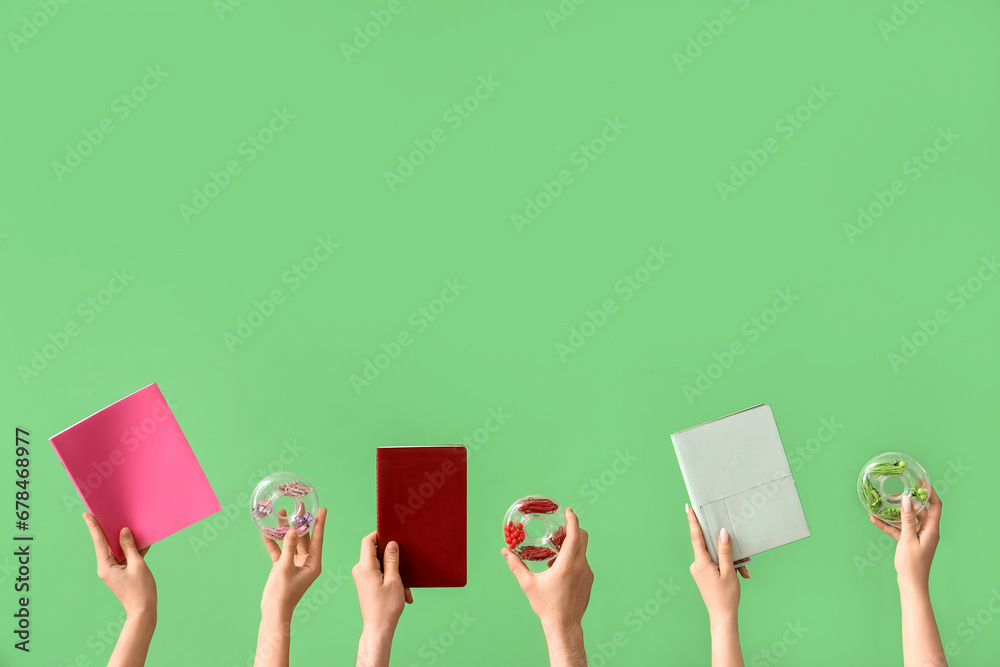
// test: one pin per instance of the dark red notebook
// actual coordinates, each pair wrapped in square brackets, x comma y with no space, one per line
[421,498]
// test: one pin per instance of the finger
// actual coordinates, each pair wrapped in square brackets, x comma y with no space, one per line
[725,553]
[390,562]
[101,547]
[304,539]
[933,514]
[517,567]
[316,545]
[272,548]
[701,554]
[127,542]
[369,553]
[886,528]
[282,519]
[407,596]
[744,572]
[576,540]
[908,519]
[290,543]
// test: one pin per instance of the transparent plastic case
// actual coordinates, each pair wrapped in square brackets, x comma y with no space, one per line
[534,528]
[284,491]
[886,479]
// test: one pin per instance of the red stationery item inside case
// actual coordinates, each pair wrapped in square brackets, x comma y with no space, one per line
[421,496]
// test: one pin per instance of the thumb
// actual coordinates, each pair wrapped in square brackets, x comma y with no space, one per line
[390,561]
[725,553]
[289,546]
[127,542]
[908,518]
[517,567]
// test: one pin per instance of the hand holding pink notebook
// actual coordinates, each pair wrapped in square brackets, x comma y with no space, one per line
[133,467]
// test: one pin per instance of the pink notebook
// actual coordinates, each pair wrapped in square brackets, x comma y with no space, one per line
[133,467]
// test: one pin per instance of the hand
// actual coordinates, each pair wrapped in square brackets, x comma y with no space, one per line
[381,595]
[916,543]
[130,581]
[559,596]
[293,568]
[718,584]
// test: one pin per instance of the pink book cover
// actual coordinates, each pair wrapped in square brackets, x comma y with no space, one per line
[133,467]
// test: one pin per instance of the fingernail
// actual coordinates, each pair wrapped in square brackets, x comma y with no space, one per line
[749,576]
[907,504]
[687,508]
[126,533]
[724,536]
[392,549]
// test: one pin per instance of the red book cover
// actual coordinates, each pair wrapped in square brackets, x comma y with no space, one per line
[421,498]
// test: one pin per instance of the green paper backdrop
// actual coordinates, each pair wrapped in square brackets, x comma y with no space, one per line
[642,216]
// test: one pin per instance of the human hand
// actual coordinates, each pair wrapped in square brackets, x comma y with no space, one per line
[294,567]
[130,580]
[916,543]
[559,596]
[718,584]
[381,594]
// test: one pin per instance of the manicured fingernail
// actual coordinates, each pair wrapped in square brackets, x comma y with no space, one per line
[126,533]
[907,504]
[724,536]
[687,508]
[749,576]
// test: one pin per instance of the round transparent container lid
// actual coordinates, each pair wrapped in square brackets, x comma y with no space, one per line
[889,477]
[534,528]
[283,501]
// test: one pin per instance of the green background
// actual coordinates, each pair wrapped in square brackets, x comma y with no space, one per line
[495,347]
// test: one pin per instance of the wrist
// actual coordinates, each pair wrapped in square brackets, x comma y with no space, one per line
[913,586]
[724,620]
[563,631]
[276,614]
[378,632]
